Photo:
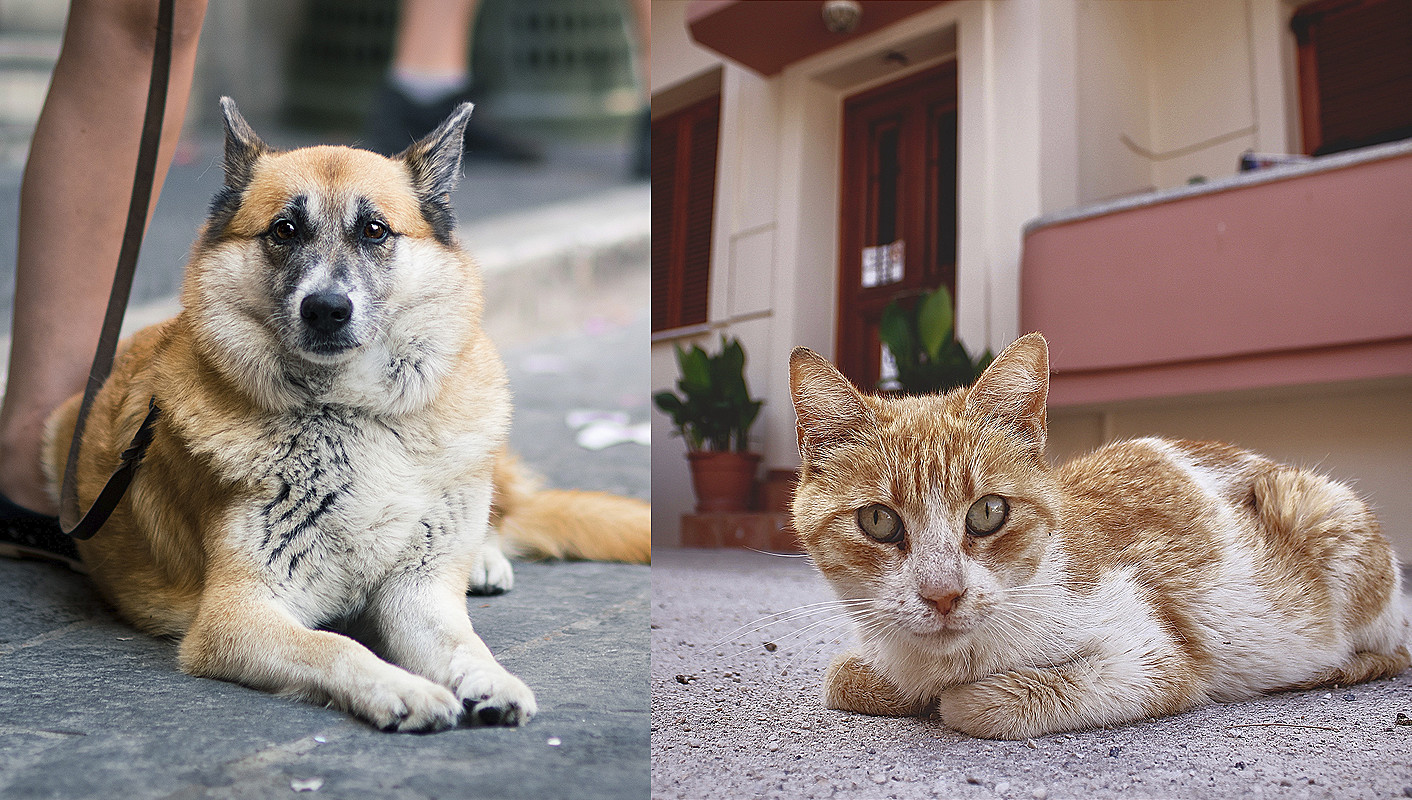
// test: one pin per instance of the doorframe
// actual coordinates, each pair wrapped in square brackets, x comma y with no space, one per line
[803,178]
[855,350]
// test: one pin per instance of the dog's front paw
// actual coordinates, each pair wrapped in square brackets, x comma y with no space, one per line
[492,696]
[408,704]
[493,573]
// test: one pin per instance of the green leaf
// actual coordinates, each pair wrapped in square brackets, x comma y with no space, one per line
[716,409]
[695,370]
[935,316]
[730,364]
[895,331]
[668,402]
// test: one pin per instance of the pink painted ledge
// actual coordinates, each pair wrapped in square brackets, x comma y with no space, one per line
[1296,275]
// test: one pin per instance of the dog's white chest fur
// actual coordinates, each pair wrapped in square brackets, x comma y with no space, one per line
[347,502]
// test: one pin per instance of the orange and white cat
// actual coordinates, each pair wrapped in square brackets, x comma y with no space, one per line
[1016,599]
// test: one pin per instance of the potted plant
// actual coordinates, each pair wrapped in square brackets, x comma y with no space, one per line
[924,347]
[713,414]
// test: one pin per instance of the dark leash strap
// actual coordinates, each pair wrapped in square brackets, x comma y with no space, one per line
[142,182]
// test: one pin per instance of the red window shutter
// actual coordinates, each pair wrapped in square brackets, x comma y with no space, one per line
[683,205]
[1355,72]
[664,159]
[700,208]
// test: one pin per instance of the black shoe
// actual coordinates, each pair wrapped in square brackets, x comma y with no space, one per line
[396,121]
[29,534]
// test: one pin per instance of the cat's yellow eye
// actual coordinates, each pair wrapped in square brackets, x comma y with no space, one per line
[881,523]
[986,515]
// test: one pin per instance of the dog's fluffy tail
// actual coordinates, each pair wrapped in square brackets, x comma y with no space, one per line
[554,523]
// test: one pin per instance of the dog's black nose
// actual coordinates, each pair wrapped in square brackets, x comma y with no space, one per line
[326,312]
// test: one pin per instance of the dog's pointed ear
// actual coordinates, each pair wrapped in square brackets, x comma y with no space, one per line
[435,161]
[243,147]
[434,164]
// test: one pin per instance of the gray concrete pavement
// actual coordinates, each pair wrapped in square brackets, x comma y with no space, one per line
[736,672]
[91,708]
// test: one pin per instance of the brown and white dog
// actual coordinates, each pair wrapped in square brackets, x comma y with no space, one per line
[330,450]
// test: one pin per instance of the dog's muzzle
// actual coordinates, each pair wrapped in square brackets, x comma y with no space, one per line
[326,312]
[326,326]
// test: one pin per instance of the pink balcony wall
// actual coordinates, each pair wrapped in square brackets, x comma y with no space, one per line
[1298,275]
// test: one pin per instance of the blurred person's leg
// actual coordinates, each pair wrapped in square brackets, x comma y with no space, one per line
[430,74]
[73,209]
[430,55]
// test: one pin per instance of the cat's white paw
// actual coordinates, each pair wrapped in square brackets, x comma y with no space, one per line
[407,703]
[851,684]
[1018,704]
[493,573]
[979,710]
[492,696]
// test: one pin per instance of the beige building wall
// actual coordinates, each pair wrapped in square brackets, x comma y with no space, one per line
[1171,90]
[744,265]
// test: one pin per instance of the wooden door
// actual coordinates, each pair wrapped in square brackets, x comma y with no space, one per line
[897,235]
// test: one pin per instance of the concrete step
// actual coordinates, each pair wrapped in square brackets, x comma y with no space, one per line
[767,531]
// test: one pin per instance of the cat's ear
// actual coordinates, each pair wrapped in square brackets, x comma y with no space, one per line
[1014,388]
[829,409]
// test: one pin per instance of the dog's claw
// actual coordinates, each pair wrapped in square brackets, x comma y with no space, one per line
[479,713]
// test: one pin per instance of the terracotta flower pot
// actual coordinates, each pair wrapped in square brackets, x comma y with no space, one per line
[723,481]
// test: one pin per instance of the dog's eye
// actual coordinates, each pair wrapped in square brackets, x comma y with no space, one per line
[374,231]
[283,230]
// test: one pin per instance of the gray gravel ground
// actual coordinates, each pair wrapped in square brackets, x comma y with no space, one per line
[736,713]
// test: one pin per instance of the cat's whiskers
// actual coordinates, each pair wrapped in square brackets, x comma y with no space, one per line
[881,634]
[834,622]
[1066,586]
[790,615]
[875,636]
[1031,627]
[833,630]
[846,613]
[835,635]
[778,555]
[1016,638]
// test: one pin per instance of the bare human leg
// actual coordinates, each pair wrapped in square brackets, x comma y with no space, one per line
[73,206]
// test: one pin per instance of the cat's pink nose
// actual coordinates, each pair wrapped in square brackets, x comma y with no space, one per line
[943,600]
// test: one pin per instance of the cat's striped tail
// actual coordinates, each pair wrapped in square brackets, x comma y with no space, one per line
[1315,523]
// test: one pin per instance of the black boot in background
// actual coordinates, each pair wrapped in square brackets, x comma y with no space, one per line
[396,120]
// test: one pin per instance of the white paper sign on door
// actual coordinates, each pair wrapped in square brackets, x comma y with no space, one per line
[882,264]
